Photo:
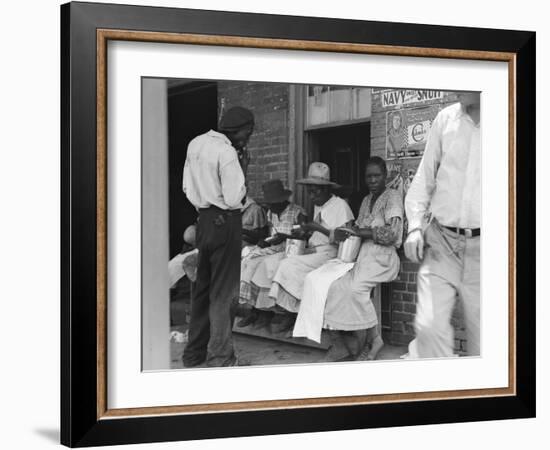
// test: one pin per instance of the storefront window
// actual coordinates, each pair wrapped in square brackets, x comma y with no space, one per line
[336,104]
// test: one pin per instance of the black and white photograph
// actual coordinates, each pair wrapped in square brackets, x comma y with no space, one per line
[304,224]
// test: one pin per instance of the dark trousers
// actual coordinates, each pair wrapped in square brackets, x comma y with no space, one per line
[217,289]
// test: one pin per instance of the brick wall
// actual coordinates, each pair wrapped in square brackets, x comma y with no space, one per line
[402,295]
[399,309]
[269,143]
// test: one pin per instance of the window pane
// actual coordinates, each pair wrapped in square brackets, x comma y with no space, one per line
[331,104]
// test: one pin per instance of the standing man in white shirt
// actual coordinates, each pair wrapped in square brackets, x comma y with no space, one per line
[447,185]
[214,182]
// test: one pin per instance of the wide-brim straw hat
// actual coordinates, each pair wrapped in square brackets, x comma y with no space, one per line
[274,192]
[318,173]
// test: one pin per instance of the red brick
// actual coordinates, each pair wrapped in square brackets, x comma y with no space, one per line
[399,286]
[397,306]
[397,327]
[402,316]
[407,297]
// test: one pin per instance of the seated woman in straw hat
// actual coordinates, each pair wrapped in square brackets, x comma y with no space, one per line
[330,212]
[259,266]
[337,296]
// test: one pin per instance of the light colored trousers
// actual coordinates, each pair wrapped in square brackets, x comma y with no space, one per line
[450,268]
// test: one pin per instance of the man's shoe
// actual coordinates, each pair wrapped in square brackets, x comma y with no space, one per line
[239,362]
[193,363]
[370,352]
[336,353]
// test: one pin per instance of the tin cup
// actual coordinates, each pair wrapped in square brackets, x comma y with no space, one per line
[295,247]
[348,250]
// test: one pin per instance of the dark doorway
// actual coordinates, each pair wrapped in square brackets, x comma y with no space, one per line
[192,110]
[346,150]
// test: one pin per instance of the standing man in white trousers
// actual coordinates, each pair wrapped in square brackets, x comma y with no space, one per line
[447,187]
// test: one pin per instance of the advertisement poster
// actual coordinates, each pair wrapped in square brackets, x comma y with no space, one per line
[407,129]
[401,97]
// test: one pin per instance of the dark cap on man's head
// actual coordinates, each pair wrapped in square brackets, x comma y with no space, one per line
[236,118]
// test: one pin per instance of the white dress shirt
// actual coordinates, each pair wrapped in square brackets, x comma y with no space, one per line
[212,175]
[333,214]
[448,180]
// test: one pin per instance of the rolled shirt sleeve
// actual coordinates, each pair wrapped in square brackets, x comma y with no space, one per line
[337,214]
[417,201]
[345,215]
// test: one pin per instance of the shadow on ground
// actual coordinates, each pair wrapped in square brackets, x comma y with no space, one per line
[50,434]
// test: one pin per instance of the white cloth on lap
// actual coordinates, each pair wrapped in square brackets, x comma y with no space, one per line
[175,269]
[309,322]
[175,266]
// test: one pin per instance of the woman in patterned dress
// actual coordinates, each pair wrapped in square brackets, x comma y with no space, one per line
[349,311]
[258,267]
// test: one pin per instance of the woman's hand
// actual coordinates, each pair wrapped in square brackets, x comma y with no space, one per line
[309,227]
[298,233]
[383,235]
[263,244]
[341,234]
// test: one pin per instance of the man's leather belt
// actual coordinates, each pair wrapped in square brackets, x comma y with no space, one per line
[226,212]
[468,232]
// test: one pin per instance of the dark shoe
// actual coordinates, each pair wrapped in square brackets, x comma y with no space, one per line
[264,320]
[247,320]
[193,363]
[285,324]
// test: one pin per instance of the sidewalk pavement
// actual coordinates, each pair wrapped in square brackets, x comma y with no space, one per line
[261,352]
